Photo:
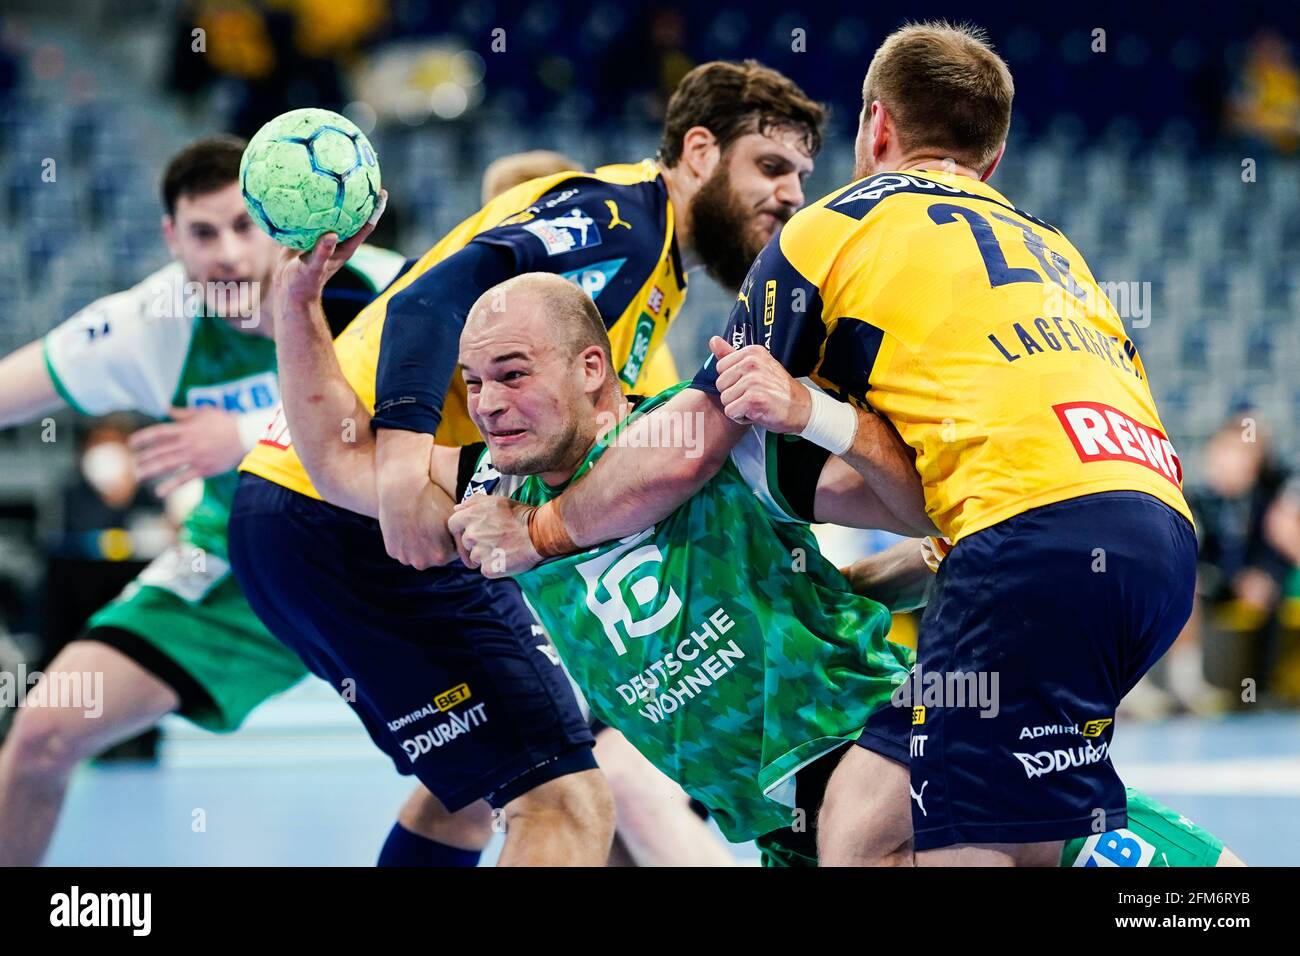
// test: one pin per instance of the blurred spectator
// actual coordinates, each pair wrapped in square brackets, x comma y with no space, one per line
[1282,531]
[106,496]
[1265,103]
[1241,574]
[270,57]
[506,172]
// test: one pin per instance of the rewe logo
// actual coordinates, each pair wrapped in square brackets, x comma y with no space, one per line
[605,576]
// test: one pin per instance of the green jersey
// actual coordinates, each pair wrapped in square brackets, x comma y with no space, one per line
[150,348]
[719,642]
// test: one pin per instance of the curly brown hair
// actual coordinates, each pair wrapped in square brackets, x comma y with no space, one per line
[732,99]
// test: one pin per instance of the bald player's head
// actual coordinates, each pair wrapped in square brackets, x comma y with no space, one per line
[537,367]
[509,171]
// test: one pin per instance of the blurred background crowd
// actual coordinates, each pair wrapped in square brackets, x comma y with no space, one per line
[1166,145]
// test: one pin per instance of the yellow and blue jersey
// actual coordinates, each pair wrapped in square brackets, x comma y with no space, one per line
[611,232]
[977,330]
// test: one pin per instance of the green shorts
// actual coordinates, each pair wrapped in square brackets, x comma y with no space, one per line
[1155,836]
[191,612]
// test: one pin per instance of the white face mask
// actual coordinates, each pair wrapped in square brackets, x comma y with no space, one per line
[107,466]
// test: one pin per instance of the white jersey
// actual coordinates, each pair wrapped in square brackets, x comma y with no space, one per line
[149,348]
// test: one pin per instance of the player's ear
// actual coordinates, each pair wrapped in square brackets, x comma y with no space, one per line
[595,369]
[169,233]
[984,176]
[882,129]
[700,152]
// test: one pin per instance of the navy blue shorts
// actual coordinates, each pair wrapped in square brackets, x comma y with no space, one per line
[1035,629]
[448,671]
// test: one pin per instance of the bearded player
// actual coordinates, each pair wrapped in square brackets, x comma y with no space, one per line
[450,679]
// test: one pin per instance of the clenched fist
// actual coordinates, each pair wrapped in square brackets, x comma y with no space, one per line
[756,390]
[491,534]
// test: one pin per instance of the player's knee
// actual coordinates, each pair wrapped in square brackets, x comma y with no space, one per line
[872,833]
[45,744]
[580,799]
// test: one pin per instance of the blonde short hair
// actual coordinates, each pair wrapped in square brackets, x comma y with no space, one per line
[946,90]
[510,171]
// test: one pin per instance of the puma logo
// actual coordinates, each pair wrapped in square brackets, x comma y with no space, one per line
[917,796]
[615,220]
[743,294]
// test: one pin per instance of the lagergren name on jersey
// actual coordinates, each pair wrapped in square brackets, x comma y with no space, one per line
[658,686]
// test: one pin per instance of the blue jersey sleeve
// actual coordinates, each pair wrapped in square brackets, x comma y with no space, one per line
[421,337]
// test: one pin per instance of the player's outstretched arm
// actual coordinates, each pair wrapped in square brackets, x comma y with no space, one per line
[329,423]
[897,577]
[26,389]
[636,483]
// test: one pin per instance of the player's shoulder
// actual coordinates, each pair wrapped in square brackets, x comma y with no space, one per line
[157,307]
[617,203]
[616,214]
[868,207]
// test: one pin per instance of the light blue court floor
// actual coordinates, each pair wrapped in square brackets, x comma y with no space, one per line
[301,785]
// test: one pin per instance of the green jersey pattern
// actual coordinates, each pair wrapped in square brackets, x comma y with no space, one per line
[719,642]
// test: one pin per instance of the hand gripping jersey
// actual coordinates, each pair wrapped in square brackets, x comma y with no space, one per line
[150,348]
[719,642]
[610,232]
[977,330]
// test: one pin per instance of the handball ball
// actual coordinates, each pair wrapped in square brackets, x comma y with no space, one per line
[308,172]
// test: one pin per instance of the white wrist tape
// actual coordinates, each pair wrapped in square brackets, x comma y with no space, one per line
[832,424]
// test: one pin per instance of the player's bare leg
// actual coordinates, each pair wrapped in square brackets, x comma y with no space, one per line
[47,742]
[568,821]
[656,825]
[469,828]
[994,854]
[866,816]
